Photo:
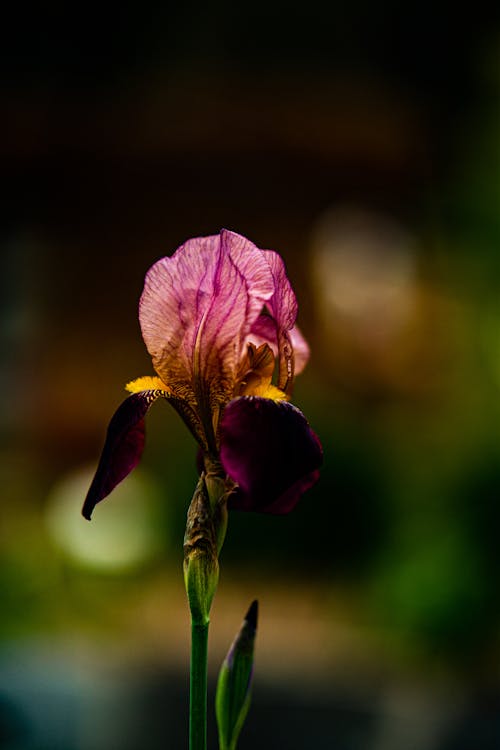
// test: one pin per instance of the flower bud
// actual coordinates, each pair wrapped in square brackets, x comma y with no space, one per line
[232,699]
[201,566]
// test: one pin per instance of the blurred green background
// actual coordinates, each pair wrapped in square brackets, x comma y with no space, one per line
[361,142]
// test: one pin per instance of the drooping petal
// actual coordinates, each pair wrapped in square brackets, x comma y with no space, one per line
[123,447]
[183,408]
[269,450]
[196,311]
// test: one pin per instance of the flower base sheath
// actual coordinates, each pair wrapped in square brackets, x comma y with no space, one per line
[218,318]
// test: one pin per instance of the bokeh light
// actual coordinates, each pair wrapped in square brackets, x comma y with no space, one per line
[127,533]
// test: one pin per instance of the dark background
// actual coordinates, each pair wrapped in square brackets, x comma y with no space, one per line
[361,141]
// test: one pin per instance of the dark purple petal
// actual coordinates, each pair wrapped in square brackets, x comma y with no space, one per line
[122,449]
[269,450]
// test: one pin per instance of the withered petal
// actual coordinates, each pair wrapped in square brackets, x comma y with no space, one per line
[269,450]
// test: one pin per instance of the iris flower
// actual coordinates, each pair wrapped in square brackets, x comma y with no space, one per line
[217,317]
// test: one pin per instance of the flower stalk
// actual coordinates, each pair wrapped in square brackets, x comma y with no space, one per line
[198,687]
[205,530]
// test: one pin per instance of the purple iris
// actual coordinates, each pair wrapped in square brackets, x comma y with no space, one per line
[216,317]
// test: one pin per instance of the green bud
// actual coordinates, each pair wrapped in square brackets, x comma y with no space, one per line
[201,566]
[232,699]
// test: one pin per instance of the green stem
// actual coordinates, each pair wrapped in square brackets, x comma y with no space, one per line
[198,687]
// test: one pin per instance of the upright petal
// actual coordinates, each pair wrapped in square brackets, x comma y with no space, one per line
[196,311]
[123,447]
[301,351]
[283,304]
[278,327]
[265,331]
[283,308]
[269,450]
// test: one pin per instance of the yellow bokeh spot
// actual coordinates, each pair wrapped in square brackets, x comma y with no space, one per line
[126,535]
[147,383]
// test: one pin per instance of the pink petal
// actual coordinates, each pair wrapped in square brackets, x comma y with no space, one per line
[122,448]
[196,311]
[269,450]
[283,304]
[301,351]
[289,344]
[264,331]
